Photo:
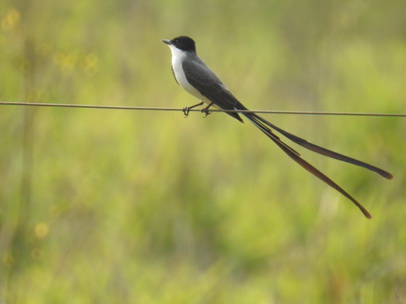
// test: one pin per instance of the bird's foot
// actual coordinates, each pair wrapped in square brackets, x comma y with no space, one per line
[206,110]
[186,111]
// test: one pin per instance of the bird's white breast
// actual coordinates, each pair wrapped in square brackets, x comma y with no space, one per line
[177,58]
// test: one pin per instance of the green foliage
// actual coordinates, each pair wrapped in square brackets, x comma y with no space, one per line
[148,207]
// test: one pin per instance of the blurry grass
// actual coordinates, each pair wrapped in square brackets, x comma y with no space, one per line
[102,206]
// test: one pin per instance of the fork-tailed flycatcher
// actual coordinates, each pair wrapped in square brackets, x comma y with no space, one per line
[198,79]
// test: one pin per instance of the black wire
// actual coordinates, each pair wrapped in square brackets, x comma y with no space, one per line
[140,108]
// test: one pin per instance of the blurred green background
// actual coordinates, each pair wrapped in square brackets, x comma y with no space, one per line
[104,206]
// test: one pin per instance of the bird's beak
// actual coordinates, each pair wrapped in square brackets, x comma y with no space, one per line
[167,41]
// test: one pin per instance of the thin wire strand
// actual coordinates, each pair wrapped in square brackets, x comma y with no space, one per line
[139,108]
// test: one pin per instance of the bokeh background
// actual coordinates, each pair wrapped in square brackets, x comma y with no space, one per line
[113,206]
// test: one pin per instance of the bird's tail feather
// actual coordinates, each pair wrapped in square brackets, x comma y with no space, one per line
[262,125]
[320,150]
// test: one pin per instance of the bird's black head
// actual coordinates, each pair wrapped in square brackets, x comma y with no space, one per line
[183,43]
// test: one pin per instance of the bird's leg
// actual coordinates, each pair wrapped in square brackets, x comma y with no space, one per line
[186,110]
[206,110]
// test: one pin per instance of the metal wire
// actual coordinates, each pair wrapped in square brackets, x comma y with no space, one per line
[140,108]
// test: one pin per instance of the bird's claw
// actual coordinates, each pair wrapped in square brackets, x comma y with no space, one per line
[186,111]
[205,111]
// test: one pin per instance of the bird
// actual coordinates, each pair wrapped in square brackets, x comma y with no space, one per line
[196,78]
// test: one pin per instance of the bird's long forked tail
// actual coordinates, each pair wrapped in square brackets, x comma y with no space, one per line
[321,150]
[265,126]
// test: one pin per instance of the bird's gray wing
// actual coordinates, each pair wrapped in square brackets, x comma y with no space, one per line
[210,86]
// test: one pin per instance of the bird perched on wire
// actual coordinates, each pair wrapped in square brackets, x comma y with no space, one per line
[193,75]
